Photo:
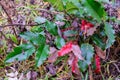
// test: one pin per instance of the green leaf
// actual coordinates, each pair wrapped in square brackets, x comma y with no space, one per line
[52,28]
[98,41]
[15,55]
[104,1]
[20,53]
[95,9]
[35,38]
[57,4]
[59,17]
[28,35]
[81,11]
[12,37]
[37,29]
[28,49]
[82,65]
[110,34]
[93,65]
[70,33]
[64,2]
[75,2]
[59,42]
[68,5]
[40,39]
[41,54]
[71,8]
[40,20]
[87,52]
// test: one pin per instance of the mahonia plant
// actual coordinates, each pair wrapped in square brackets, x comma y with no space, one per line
[75,32]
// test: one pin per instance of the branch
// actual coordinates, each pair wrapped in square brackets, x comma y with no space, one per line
[5,10]
[9,18]
[48,11]
[116,67]
[2,26]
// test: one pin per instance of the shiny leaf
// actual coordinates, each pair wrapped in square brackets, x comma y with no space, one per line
[51,28]
[59,42]
[95,9]
[87,52]
[69,33]
[40,20]
[21,53]
[35,38]
[98,41]
[110,34]
[41,54]
[82,65]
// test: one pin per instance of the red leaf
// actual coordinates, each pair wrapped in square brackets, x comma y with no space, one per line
[86,25]
[74,64]
[73,60]
[83,22]
[90,25]
[97,62]
[65,49]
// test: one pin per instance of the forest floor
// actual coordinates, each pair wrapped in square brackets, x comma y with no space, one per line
[23,12]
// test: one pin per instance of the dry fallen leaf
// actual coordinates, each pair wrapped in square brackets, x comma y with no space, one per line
[71,57]
[22,77]
[90,73]
[118,13]
[28,75]
[52,58]
[59,23]
[31,75]
[51,68]
[52,50]
[75,23]
[91,31]
[12,75]
[100,52]
[77,52]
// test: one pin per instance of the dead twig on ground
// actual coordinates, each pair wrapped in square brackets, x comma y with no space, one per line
[3,26]
[9,18]
[116,67]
